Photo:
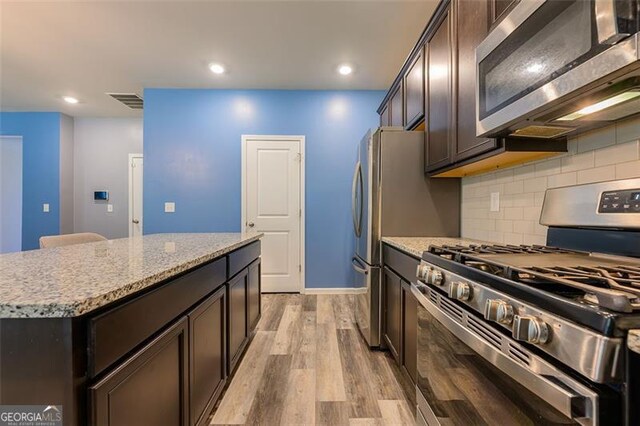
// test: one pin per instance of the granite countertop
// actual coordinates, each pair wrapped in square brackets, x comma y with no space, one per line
[73,280]
[416,245]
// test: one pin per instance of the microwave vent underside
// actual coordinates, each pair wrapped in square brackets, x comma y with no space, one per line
[544,132]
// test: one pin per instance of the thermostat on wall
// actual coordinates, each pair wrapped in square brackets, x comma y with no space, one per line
[101,195]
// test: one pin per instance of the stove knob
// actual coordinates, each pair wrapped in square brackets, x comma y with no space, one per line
[499,311]
[436,278]
[530,329]
[460,291]
[422,272]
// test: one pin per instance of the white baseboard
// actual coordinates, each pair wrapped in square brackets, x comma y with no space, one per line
[335,290]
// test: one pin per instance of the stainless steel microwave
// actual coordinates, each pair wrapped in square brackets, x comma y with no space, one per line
[555,67]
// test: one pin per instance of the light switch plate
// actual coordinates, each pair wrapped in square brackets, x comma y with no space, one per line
[109,208]
[45,207]
[169,207]
[495,202]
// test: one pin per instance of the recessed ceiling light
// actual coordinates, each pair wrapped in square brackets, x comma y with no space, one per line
[216,68]
[345,69]
[70,99]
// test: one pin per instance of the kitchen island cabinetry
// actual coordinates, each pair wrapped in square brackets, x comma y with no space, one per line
[136,334]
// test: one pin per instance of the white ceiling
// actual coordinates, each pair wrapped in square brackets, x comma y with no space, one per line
[53,48]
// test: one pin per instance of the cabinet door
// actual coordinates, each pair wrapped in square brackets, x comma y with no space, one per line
[414,90]
[207,354]
[392,293]
[397,107]
[237,336]
[254,306]
[149,388]
[473,25]
[385,116]
[498,9]
[409,331]
[440,130]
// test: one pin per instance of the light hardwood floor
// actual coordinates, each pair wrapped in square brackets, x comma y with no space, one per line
[308,364]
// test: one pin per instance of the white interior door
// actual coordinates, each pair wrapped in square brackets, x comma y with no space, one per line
[10,194]
[272,205]
[135,195]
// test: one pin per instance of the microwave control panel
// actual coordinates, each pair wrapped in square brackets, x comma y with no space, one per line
[627,201]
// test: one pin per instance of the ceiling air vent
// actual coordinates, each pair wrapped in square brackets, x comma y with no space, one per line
[131,100]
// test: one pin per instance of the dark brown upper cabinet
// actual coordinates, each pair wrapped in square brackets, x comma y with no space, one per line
[440,126]
[473,24]
[414,91]
[397,107]
[385,116]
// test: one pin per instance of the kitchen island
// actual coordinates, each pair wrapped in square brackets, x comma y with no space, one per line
[140,330]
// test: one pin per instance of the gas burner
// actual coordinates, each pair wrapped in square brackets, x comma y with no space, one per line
[608,282]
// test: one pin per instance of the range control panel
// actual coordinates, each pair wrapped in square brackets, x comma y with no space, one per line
[627,201]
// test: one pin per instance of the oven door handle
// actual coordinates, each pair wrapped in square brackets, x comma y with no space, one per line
[607,22]
[558,389]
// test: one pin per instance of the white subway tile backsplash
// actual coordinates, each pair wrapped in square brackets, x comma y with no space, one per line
[628,170]
[599,174]
[627,151]
[605,154]
[597,139]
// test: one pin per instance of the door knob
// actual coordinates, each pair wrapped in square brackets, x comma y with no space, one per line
[250,224]
[136,221]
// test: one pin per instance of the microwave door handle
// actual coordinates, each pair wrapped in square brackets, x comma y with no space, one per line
[607,22]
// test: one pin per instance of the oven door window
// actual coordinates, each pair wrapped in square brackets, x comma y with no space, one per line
[462,388]
[558,36]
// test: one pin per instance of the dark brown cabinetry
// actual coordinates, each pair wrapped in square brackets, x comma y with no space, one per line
[409,331]
[440,129]
[385,116]
[498,9]
[473,23]
[397,107]
[254,307]
[238,331]
[150,388]
[207,354]
[414,90]
[392,293]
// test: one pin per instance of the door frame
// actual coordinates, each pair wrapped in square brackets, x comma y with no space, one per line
[243,219]
[130,196]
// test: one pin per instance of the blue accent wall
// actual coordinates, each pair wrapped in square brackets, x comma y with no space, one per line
[40,133]
[192,155]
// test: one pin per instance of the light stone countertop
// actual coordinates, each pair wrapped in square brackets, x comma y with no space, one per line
[416,245]
[73,280]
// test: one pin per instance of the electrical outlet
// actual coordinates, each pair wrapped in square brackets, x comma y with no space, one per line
[109,208]
[169,207]
[495,202]
[45,207]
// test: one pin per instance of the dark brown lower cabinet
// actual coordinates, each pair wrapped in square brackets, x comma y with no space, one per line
[409,331]
[150,388]
[207,354]
[254,307]
[237,308]
[392,293]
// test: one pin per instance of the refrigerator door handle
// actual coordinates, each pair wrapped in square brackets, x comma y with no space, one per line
[356,266]
[356,200]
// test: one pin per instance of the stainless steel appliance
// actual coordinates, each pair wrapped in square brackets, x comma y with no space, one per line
[537,334]
[393,197]
[553,67]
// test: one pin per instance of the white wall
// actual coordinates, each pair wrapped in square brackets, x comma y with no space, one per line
[10,194]
[605,154]
[102,147]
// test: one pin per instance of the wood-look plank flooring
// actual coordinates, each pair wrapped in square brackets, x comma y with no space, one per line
[309,364]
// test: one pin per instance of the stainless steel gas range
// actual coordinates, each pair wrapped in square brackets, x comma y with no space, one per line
[537,334]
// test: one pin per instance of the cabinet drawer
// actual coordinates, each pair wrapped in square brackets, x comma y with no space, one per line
[400,262]
[241,258]
[118,331]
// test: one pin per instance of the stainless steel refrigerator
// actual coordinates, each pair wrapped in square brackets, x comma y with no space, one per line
[392,196]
